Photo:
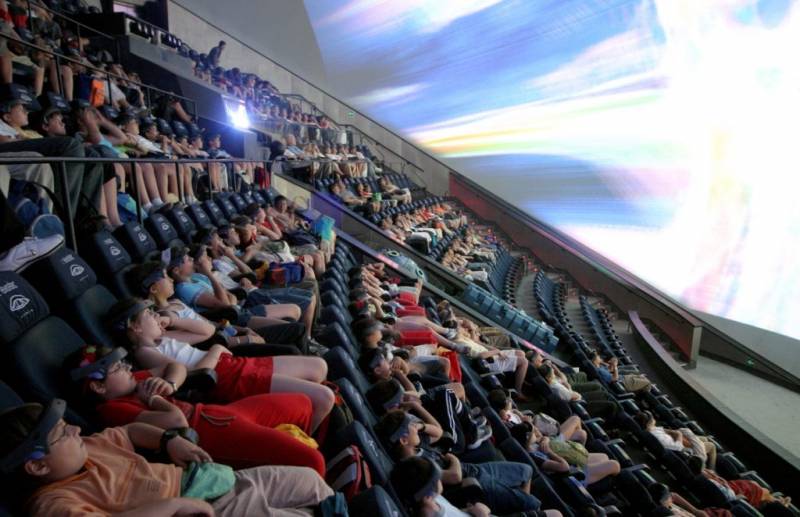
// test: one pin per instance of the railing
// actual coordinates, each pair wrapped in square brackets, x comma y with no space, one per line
[60,162]
[403,161]
[78,25]
[59,59]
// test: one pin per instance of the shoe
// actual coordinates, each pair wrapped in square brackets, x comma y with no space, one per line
[451,334]
[483,433]
[29,251]
[316,348]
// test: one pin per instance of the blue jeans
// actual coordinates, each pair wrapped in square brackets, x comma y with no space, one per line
[501,482]
[300,297]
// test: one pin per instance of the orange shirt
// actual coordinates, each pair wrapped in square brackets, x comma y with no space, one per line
[115,479]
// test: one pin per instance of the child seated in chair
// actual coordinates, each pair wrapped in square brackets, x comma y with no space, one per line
[237,377]
[52,470]
[233,434]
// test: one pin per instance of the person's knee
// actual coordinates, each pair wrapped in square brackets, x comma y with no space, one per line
[614,468]
[319,368]
[295,312]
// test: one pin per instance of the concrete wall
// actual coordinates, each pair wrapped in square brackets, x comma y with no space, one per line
[281,30]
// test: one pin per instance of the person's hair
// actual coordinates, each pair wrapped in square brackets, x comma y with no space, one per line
[498,399]
[386,427]
[240,221]
[379,393]
[222,42]
[87,399]
[366,357]
[278,199]
[15,425]
[643,418]
[593,355]
[695,464]
[659,492]
[364,326]
[409,476]
[545,371]
[142,271]
[355,283]
[357,293]
[114,314]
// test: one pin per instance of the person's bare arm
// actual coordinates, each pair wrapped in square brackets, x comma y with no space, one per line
[686,505]
[220,293]
[195,326]
[240,265]
[452,474]
[212,357]
[162,414]
[114,134]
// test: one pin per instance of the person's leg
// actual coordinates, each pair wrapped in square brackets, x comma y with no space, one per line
[312,369]
[711,452]
[322,398]
[148,176]
[570,429]
[504,484]
[284,333]
[278,311]
[601,470]
[273,491]
[67,81]
[520,371]
[162,173]
[13,232]
[249,424]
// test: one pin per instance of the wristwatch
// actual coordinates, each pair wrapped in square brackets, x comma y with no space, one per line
[168,435]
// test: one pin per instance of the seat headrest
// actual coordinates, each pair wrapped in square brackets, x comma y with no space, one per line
[107,254]
[63,275]
[21,307]
[161,230]
[136,239]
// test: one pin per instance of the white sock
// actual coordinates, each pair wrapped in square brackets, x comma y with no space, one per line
[147,206]
[156,201]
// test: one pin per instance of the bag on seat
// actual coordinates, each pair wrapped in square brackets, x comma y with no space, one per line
[348,472]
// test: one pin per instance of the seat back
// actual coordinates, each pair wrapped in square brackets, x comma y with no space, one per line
[109,259]
[224,203]
[75,295]
[341,365]
[214,213]
[137,241]
[198,216]
[355,401]
[380,465]
[182,223]
[162,231]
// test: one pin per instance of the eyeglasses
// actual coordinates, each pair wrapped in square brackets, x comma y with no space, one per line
[119,366]
[60,437]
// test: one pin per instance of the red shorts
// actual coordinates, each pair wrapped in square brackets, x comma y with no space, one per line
[416,337]
[411,310]
[406,298]
[239,377]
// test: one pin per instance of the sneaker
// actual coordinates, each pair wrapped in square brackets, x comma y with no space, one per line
[451,334]
[29,251]
[483,433]
[316,348]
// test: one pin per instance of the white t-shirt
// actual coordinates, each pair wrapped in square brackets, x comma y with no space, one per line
[447,509]
[562,391]
[180,352]
[666,440]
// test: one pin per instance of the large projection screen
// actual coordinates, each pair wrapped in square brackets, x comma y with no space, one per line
[664,134]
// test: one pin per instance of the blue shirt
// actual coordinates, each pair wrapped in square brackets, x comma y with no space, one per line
[604,374]
[189,292]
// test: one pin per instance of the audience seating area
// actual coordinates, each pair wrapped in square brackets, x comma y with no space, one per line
[401,378]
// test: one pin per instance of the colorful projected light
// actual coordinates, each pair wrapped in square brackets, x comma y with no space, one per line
[661,133]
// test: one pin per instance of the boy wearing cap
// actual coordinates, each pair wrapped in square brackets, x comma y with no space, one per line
[233,434]
[506,484]
[418,482]
[14,102]
[57,472]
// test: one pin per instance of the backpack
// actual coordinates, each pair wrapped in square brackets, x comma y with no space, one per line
[348,472]
[30,207]
[333,506]
[339,417]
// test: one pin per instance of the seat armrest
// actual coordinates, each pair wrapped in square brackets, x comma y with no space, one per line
[197,385]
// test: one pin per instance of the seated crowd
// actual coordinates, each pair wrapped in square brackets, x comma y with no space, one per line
[213,395]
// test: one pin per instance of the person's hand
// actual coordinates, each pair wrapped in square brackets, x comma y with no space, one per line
[228,251]
[411,406]
[478,510]
[194,507]
[410,396]
[452,461]
[165,320]
[544,443]
[153,386]
[204,265]
[182,452]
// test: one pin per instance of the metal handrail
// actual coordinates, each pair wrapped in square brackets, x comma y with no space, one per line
[78,24]
[61,163]
[179,3]
[60,58]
